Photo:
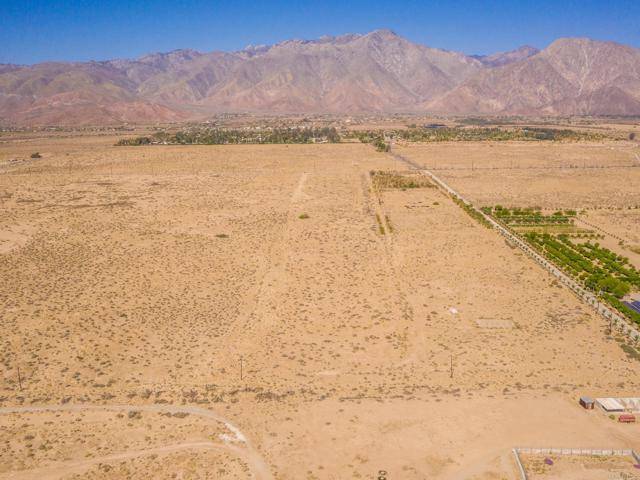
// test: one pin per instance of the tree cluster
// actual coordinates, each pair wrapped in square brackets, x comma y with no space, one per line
[218,136]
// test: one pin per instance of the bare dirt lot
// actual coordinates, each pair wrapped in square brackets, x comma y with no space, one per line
[549,175]
[599,180]
[254,282]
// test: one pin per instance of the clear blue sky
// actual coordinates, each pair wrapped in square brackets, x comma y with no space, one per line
[40,30]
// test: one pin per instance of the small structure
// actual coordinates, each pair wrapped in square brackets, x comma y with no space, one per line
[630,404]
[627,418]
[587,402]
[610,405]
[619,404]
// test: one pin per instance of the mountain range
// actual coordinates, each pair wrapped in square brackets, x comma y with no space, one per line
[375,72]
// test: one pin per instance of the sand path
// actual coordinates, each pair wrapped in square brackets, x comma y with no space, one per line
[237,443]
[61,469]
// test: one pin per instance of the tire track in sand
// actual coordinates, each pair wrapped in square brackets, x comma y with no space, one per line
[237,443]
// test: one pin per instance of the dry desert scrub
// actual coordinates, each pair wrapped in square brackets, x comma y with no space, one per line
[384,180]
[119,288]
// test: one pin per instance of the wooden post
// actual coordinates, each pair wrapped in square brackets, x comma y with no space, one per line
[240,367]
[19,379]
[451,366]
[610,323]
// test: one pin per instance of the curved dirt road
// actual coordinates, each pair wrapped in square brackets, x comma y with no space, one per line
[237,443]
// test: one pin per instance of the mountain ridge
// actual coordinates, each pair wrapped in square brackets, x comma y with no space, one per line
[379,71]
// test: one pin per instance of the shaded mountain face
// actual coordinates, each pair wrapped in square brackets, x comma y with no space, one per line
[376,72]
[504,58]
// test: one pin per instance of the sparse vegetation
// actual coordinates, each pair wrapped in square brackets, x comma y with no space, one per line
[380,145]
[528,220]
[600,269]
[387,221]
[380,225]
[530,216]
[472,212]
[377,139]
[495,134]
[220,136]
[442,133]
[129,142]
[148,305]
[386,180]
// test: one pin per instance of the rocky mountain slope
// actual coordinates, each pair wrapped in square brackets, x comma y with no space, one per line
[571,76]
[376,72]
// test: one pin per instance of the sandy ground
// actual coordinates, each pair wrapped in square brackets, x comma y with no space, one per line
[621,229]
[544,174]
[185,275]
[599,180]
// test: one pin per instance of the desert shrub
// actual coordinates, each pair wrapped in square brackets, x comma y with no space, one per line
[128,142]
[389,224]
[380,225]
[380,145]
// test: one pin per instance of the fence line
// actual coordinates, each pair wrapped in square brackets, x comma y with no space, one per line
[551,167]
[523,473]
[593,452]
[606,311]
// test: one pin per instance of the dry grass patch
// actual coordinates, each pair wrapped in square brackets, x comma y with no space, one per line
[387,180]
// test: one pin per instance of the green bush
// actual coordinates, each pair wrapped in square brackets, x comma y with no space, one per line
[601,270]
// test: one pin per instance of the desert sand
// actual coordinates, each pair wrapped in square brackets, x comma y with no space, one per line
[254,282]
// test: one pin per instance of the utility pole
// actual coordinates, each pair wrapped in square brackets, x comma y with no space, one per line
[451,366]
[19,379]
[240,367]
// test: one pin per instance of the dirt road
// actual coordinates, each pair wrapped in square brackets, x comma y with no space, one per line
[237,443]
